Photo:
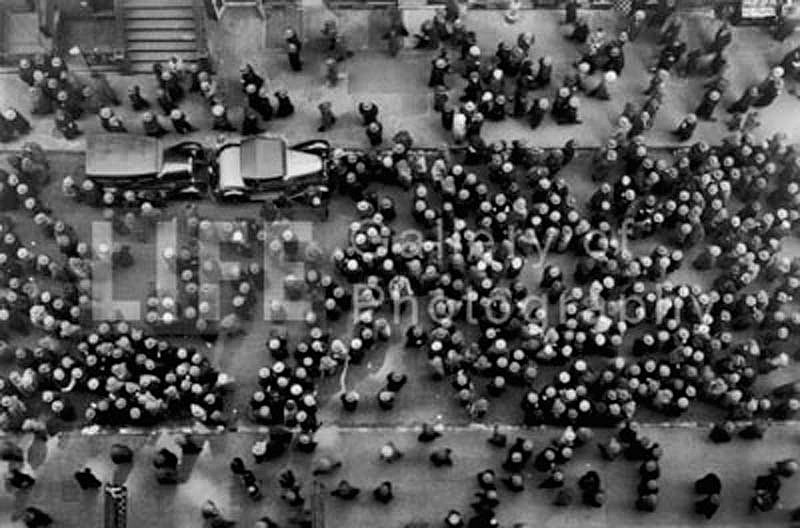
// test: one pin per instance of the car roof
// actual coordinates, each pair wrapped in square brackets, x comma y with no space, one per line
[263,158]
[122,155]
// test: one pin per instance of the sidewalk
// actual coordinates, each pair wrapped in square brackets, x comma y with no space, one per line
[399,88]
[422,492]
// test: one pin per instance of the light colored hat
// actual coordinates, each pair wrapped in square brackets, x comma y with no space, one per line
[218,110]
[176,114]
[105,112]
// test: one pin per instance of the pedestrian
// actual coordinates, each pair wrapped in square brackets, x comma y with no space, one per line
[250,125]
[601,90]
[105,93]
[20,480]
[121,454]
[395,38]
[249,76]
[220,119]
[327,119]
[459,127]
[743,104]
[16,122]
[375,133]
[34,517]
[686,128]
[285,106]
[538,110]
[115,125]
[331,71]
[152,128]
[165,101]
[86,479]
[383,493]
[368,111]
[345,491]
[138,102]
[705,110]
[25,71]
[179,121]
[439,70]
[66,125]
[293,53]
[41,104]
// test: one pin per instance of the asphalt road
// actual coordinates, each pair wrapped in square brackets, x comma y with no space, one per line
[422,492]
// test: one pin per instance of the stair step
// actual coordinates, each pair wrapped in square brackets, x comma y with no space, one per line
[158,24]
[151,56]
[151,14]
[157,4]
[149,35]
[162,46]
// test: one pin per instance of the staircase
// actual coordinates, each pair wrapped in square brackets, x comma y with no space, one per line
[156,30]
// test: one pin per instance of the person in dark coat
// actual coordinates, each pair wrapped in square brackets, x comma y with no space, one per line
[544,73]
[179,121]
[250,124]
[771,88]
[165,101]
[293,52]
[41,104]
[220,119]
[368,111]
[249,76]
[705,110]
[439,70]
[20,480]
[25,71]
[345,491]
[34,517]
[103,89]
[383,493]
[538,110]
[121,454]
[327,118]
[375,133]
[259,101]
[66,125]
[748,98]
[16,121]
[285,106]
[686,128]
[86,479]
[138,102]
[152,127]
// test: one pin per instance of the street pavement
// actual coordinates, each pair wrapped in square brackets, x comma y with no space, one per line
[399,85]
[423,398]
[422,492]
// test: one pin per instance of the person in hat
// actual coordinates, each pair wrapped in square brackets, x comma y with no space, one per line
[105,114]
[332,71]
[383,493]
[686,128]
[285,106]
[538,110]
[770,88]
[179,121]
[115,125]
[368,111]
[327,119]
[41,104]
[220,119]
[375,133]
[249,76]
[750,95]
[25,71]
[293,53]
[34,517]
[705,110]
[152,128]
[16,122]
[138,102]
[345,491]
[66,125]
[165,102]
[87,480]
[250,125]
[601,91]
[439,70]
[259,101]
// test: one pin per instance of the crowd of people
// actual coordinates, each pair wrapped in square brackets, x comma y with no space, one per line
[486,216]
